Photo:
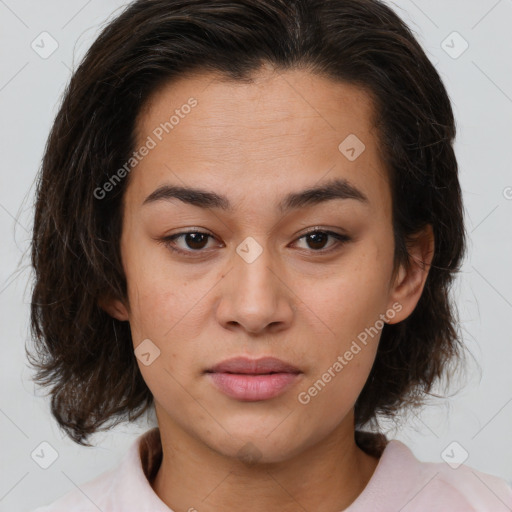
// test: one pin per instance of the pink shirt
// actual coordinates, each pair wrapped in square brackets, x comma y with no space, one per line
[399,483]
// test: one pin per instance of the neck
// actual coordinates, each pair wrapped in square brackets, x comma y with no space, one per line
[325,477]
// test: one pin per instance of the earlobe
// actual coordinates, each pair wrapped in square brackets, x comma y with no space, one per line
[410,280]
[114,307]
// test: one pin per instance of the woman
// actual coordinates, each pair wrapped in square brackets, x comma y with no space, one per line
[249,218]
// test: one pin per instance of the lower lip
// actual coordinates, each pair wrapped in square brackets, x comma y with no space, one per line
[253,387]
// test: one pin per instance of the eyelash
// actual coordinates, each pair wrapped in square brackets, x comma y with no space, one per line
[168,241]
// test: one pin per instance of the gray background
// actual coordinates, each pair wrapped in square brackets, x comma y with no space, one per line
[479,81]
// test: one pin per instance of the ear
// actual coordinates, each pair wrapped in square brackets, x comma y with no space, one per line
[409,282]
[114,307]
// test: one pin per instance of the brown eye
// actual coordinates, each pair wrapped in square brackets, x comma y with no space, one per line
[192,241]
[196,240]
[317,240]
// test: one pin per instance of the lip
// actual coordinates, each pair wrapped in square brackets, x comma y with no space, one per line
[253,379]
[246,365]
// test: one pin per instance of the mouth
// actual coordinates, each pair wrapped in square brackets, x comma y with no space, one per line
[246,366]
[253,379]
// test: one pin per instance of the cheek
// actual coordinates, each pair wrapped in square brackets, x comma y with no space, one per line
[152,288]
[354,296]
[169,312]
[331,392]
[349,305]
[163,315]
[171,324]
[345,354]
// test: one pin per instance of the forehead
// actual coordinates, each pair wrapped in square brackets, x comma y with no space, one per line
[283,129]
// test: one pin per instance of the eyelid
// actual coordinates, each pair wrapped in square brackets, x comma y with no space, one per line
[314,229]
[341,239]
[167,241]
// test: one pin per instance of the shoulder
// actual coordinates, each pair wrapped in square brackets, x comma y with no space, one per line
[465,487]
[424,486]
[124,487]
[86,497]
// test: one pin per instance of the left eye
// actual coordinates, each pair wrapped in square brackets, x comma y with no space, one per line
[195,241]
[316,239]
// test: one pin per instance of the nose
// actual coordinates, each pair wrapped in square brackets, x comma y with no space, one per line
[255,297]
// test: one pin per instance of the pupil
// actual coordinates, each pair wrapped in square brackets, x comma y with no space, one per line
[192,238]
[317,238]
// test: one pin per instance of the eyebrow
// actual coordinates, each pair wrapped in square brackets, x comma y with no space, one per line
[338,188]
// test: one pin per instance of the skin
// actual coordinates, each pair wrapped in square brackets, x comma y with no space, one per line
[255,143]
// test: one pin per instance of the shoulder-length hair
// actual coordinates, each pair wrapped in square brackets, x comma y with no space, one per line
[85,356]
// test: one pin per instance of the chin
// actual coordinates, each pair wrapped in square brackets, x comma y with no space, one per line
[257,447]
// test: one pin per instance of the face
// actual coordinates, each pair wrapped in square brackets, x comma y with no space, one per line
[257,266]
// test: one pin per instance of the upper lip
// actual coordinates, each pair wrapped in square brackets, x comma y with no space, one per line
[253,366]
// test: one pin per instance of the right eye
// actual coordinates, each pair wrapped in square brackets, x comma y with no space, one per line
[194,241]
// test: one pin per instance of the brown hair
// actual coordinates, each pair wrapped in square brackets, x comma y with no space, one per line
[86,356]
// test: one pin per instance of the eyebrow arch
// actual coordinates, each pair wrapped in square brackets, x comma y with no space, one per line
[338,188]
